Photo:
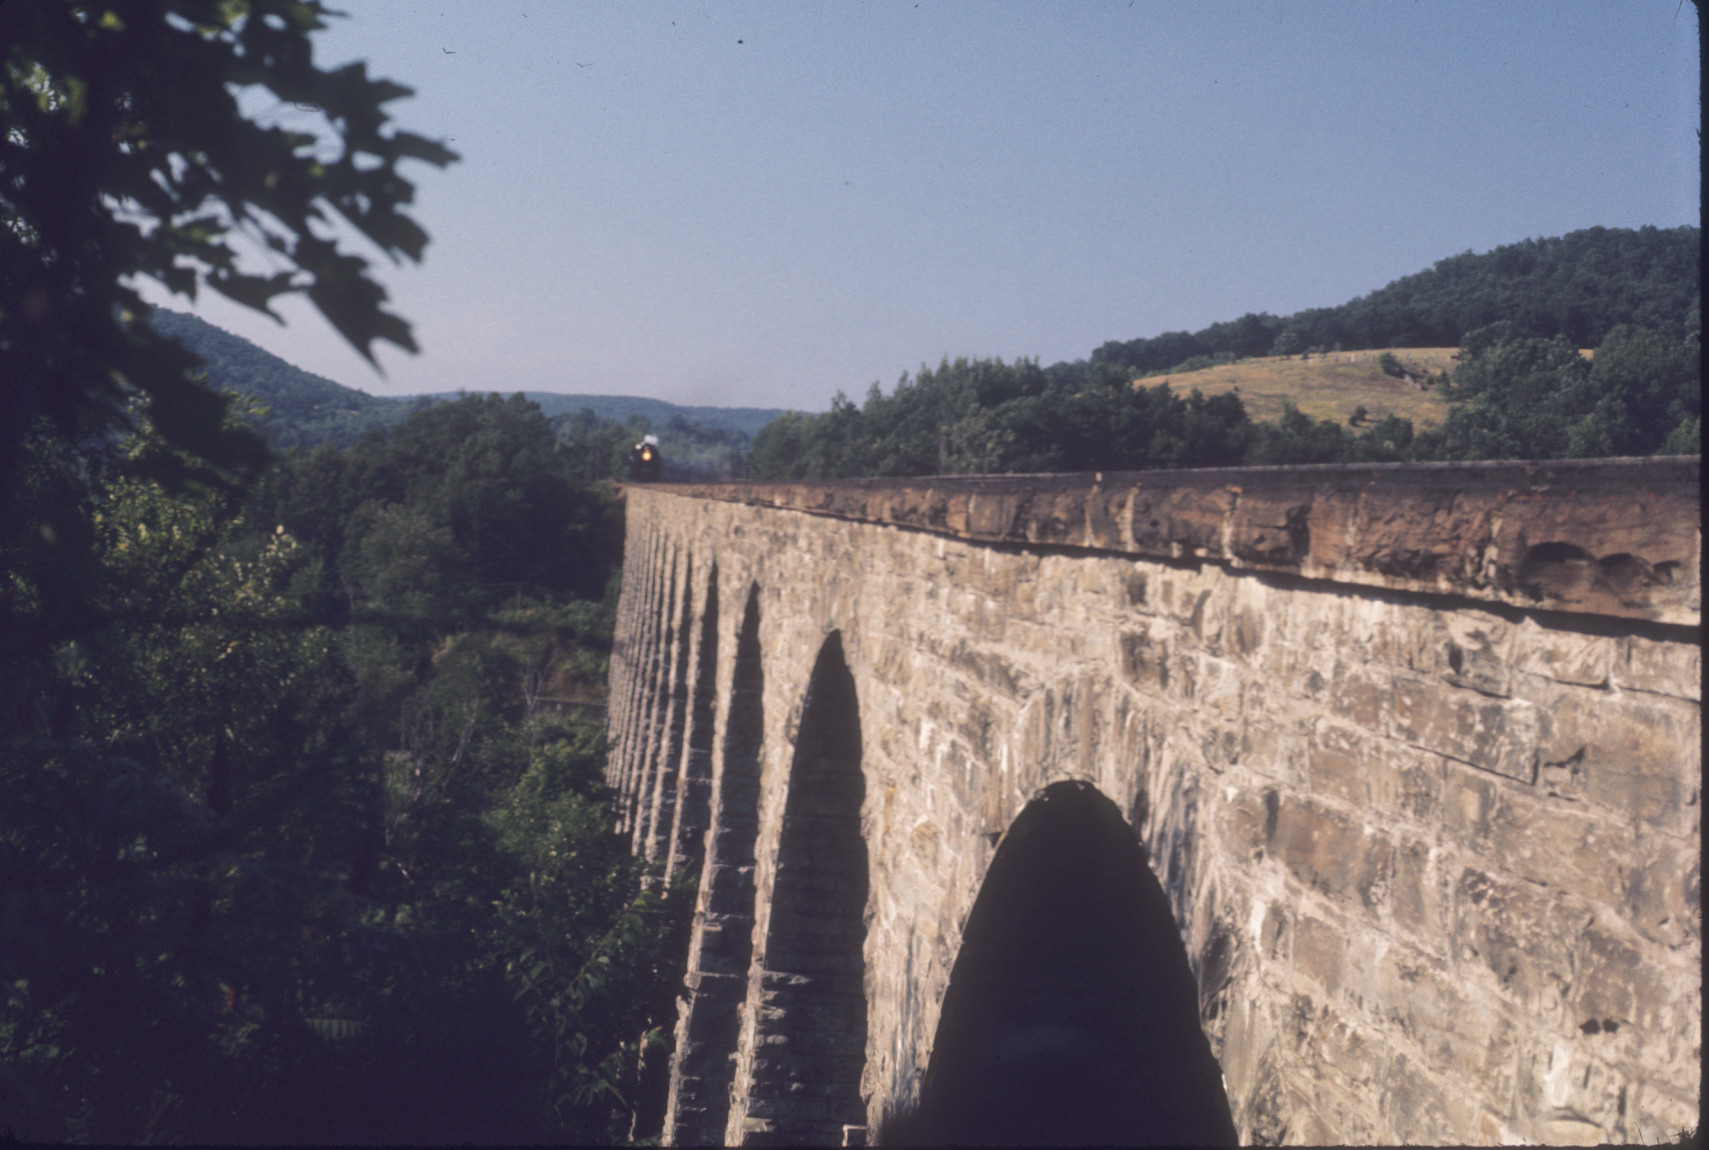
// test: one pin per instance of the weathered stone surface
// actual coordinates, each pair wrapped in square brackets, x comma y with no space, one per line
[1495,735]
[1645,664]
[1638,754]
[1569,657]
[1615,537]
[1414,752]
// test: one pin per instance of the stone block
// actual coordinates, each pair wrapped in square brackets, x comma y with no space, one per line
[1271,525]
[1353,1055]
[1334,761]
[1480,1058]
[1201,612]
[1617,981]
[1658,1115]
[1173,521]
[1494,735]
[1403,780]
[1330,852]
[1540,838]
[1275,932]
[1246,631]
[1468,648]
[988,668]
[1468,805]
[1418,894]
[1268,748]
[1519,933]
[1145,661]
[1219,690]
[1414,1105]
[1240,826]
[1297,671]
[1571,1091]
[1418,997]
[1663,667]
[1319,948]
[1637,754]
[1664,891]
[1566,656]
[1361,696]
[1570,1129]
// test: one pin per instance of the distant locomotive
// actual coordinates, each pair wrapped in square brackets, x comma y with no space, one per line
[645,461]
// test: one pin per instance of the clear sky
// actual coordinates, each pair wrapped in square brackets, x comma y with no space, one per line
[759,204]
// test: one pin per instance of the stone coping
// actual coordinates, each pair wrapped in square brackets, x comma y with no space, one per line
[1616,537]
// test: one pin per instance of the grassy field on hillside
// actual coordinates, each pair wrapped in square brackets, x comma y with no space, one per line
[1328,387]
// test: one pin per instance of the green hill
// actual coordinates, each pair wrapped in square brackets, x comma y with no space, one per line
[1580,286]
[304,409]
[1582,346]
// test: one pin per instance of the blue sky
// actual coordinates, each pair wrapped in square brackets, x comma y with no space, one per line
[763,204]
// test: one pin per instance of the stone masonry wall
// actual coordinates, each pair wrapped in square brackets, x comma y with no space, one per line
[1415,753]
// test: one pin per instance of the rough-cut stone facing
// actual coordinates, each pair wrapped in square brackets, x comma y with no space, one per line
[1612,537]
[1414,752]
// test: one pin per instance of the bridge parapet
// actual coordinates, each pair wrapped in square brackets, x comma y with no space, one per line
[1609,537]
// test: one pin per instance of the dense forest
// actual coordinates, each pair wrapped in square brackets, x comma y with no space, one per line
[306,837]
[1519,389]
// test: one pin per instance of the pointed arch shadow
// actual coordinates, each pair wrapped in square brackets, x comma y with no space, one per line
[1071,1016]
[722,943]
[810,1036]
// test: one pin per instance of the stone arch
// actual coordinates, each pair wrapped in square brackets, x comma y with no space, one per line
[721,945]
[694,781]
[660,819]
[655,717]
[807,993]
[679,836]
[634,657]
[1071,1015]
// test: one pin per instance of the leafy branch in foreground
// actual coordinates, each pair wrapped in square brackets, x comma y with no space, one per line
[126,153]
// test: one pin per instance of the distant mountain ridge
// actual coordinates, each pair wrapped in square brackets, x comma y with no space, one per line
[657,412]
[304,409]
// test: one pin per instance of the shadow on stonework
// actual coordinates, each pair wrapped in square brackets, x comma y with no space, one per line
[704,1065]
[1071,1016]
[810,1038]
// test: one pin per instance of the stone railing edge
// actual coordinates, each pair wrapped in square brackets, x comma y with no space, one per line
[1615,537]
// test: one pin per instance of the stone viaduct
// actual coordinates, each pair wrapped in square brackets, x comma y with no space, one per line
[1386,779]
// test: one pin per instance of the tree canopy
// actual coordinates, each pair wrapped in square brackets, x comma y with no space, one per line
[305,837]
[1512,396]
[127,154]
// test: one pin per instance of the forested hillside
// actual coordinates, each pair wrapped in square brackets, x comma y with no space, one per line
[304,409]
[1579,286]
[1519,387]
